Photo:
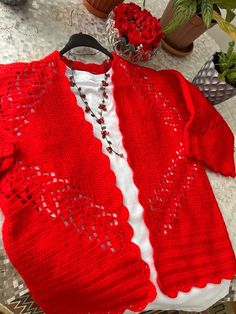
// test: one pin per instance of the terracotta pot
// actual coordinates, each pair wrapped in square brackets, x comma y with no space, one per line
[176,52]
[101,8]
[181,39]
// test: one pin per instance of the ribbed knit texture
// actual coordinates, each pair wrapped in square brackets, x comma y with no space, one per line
[66,229]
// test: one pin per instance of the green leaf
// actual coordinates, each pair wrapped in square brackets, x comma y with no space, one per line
[230,50]
[225,26]
[207,12]
[222,77]
[183,12]
[230,16]
[225,4]
[231,77]
[178,3]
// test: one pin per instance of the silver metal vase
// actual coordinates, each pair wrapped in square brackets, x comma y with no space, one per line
[211,85]
[13,2]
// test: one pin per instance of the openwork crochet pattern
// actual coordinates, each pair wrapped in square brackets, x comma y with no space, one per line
[66,228]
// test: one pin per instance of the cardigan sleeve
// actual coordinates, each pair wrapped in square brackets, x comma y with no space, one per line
[207,136]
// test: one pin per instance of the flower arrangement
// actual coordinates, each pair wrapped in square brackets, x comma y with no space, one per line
[133,33]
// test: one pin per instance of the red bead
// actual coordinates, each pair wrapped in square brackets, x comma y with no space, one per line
[105,95]
[100,120]
[104,133]
[83,96]
[87,109]
[121,155]
[109,149]
[103,107]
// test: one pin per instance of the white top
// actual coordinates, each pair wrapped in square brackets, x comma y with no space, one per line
[198,299]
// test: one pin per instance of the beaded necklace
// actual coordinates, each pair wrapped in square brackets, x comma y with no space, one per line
[102,107]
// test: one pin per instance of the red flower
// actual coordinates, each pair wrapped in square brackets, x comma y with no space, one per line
[151,31]
[137,25]
[122,25]
[130,11]
[157,40]
[133,11]
[143,15]
[134,35]
[120,10]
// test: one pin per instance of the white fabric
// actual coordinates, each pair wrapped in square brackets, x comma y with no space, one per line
[198,299]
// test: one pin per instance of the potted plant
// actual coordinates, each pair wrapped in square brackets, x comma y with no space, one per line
[133,32]
[101,8]
[185,20]
[217,78]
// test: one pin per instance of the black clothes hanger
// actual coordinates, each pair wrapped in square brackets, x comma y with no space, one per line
[84,40]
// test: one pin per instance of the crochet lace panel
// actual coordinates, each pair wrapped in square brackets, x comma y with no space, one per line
[52,190]
[32,191]
[60,199]
[22,95]
[167,199]
[190,242]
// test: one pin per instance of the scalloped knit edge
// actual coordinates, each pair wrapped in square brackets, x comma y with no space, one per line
[201,284]
[211,168]
[145,268]
[175,292]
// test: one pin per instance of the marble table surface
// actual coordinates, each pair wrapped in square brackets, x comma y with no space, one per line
[41,26]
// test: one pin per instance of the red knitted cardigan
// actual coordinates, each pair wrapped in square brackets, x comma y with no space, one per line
[66,229]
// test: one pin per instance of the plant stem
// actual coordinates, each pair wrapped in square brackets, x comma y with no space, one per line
[144,3]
